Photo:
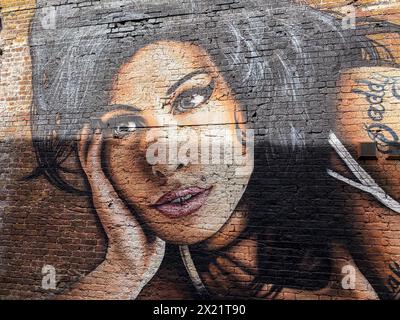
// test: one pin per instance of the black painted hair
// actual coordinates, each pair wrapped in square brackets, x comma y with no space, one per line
[277,57]
[282,61]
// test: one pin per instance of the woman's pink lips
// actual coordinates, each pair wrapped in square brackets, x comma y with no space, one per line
[180,208]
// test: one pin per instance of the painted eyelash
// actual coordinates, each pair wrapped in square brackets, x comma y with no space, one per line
[124,123]
[206,92]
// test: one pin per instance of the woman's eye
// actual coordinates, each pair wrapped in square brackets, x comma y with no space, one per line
[123,127]
[126,127]
[192,99]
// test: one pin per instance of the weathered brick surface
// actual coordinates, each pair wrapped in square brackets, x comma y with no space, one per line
[308,219]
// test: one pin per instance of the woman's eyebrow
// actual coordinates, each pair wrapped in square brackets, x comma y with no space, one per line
[189,76]
[123,106]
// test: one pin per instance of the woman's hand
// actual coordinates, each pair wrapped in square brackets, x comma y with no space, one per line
[232,273]
[133,257]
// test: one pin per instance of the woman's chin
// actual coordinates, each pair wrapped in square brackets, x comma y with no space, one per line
[188,229]
[177,234]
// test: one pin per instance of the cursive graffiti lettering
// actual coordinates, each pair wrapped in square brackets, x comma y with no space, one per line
[375,97]
[382,134]
[395,83]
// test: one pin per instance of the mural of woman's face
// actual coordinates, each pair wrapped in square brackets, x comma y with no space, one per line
[176,129]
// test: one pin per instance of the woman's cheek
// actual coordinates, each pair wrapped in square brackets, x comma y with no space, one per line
[128,169]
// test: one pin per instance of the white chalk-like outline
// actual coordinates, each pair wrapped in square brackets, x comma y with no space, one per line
[367,183]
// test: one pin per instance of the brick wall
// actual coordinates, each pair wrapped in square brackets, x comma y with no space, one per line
[190,149]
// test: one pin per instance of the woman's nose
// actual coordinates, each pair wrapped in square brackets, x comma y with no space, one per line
[166,170]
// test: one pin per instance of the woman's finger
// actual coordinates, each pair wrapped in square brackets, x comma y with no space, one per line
[117,220]
[236,274]
[271,292]
[84,139]
[208,281]
[221,282]
[229,283]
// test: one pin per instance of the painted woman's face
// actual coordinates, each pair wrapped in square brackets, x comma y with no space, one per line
[177,151]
